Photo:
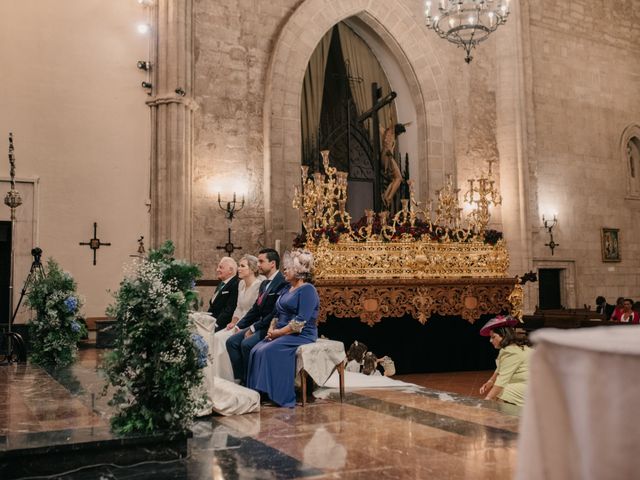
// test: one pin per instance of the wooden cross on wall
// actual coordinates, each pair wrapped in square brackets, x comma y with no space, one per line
[95,243]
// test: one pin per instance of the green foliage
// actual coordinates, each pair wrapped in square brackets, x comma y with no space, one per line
[154,366]
[56,328]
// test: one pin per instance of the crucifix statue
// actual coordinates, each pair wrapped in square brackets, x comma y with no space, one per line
[384,152]
[389,165]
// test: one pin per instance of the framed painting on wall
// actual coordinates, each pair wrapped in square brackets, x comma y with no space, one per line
[610,245]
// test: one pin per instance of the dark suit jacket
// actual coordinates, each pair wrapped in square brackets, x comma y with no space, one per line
[260,314]
[223,306]
[606,310]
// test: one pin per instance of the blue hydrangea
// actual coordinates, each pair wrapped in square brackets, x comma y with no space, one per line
[75,326]
[71,303]
[202,347]
[193,284]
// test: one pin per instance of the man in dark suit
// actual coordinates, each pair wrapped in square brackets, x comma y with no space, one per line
[224,300]
[253,327]
[604,308]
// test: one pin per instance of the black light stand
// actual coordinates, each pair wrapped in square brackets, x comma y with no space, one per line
[13,200]
[16,349]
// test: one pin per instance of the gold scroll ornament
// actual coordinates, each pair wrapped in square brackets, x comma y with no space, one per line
[409,259]
[373,300]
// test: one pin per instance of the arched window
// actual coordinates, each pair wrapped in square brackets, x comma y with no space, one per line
[630,150]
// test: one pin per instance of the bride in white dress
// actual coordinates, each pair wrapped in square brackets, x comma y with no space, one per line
[248,288]
[223,395]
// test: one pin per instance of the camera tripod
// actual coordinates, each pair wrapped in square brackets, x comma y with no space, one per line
[16,349]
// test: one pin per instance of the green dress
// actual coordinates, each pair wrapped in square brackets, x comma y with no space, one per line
[513,373]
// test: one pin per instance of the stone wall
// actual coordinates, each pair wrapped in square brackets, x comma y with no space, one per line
[249,54]
[233,43]
[585,78]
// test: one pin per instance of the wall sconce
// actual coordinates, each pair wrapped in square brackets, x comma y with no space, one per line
[144,65]
[180,91]
[548,225]
[230,209]
[143,28]
[146,84]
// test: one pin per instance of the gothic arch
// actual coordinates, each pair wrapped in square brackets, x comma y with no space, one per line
[416,56]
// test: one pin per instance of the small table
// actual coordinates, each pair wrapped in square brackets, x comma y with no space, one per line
[579,418]
[319,360]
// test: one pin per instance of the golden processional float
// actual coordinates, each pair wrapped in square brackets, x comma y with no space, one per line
[415,262]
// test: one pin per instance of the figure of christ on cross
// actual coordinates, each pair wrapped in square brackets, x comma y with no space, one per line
[386,151]
[390,167]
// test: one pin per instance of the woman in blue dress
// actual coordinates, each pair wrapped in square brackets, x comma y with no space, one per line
[272,364]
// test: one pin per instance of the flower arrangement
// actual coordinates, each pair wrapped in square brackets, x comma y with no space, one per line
[155,365]
[418,231]
[202,348]
[57,326]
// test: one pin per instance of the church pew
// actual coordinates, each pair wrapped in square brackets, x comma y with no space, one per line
[576,318]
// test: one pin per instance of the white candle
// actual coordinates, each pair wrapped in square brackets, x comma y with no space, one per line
[277,249]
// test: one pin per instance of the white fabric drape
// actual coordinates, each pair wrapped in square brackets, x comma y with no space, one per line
[312,90]
[581,404]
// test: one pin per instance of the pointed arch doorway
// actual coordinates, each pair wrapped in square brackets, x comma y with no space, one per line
[410,58]
[347,101]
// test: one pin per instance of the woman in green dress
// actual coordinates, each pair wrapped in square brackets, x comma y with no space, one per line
[508,383]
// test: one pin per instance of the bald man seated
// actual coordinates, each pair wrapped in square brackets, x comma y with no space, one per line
[224,300]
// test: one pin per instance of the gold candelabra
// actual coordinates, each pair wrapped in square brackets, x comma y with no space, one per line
[408,244]
[322,198]
[482,193]
[448,209]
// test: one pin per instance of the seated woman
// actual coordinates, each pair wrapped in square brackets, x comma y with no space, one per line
[272,364]
[626,314]
[247,294]
[509,381]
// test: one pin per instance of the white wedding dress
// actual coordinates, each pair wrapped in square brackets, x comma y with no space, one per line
[220,358]
[222,396]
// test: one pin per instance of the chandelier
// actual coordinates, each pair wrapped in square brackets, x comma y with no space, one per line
[466,23]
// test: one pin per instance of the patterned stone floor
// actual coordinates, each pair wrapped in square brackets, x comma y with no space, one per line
[414,432]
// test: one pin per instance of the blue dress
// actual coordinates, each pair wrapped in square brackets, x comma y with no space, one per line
[272,364]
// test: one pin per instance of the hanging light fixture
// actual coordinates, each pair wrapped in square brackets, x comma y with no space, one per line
[466,23]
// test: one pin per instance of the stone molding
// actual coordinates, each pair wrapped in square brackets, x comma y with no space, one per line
[188,102]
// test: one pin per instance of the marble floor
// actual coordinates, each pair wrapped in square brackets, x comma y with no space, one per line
[438,428]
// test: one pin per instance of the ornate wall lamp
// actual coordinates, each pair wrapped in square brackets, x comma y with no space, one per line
[549,225]
[230,209]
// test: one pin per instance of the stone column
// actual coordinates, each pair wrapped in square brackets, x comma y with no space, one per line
[172,107]
[511,104]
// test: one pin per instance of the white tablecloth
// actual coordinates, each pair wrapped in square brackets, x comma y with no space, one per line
[580,419]
[319,359]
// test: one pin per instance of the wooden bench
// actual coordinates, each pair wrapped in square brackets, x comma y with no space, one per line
[564,318]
